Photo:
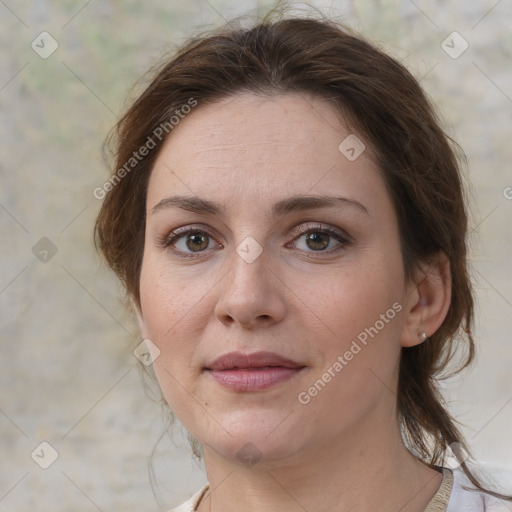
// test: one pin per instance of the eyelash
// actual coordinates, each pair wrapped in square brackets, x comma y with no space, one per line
[169,240]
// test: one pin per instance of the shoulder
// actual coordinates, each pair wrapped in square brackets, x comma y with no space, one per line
[191,504]
[466,498]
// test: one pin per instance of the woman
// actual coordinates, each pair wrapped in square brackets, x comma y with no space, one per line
[288,218]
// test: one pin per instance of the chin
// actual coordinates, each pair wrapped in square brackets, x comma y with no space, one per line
[254,437]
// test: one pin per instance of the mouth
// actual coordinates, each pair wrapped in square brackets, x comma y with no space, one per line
[252,372]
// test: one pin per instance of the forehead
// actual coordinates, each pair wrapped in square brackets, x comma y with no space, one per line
[250,144]
[251,124]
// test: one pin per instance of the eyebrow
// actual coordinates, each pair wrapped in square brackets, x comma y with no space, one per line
[281,208]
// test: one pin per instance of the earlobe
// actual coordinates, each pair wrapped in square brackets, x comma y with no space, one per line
[428,301]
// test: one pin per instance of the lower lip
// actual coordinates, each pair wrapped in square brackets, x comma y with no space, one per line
[255,379]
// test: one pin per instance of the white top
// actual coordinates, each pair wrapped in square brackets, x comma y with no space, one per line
[462,500]
[450,497]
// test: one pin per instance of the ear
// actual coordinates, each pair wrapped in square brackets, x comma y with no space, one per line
[428,300]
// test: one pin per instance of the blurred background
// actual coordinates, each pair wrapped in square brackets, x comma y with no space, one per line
[68,374]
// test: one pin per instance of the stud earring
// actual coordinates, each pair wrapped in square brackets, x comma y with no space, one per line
[423,336]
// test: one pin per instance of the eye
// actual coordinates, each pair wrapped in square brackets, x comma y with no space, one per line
[189,242]
[319,239]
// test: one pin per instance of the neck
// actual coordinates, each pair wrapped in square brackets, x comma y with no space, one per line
[364,470]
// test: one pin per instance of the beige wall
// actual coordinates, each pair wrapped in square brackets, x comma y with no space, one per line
[67,373]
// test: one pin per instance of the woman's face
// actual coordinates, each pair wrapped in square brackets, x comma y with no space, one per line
[293,250]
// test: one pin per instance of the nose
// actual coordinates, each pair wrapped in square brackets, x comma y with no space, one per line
[251,294]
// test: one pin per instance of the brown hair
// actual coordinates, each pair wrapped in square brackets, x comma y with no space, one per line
[385,105]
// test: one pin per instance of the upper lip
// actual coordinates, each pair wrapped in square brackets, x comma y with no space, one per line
[234,360]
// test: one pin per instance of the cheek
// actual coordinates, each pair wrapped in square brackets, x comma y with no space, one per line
[362,307]
[168,302]
[170,312]
[360,350]
[354,298]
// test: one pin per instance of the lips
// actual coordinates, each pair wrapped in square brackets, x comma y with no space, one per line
[252,372]
[237,360]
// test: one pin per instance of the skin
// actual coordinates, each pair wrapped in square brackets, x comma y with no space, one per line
[342,451]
